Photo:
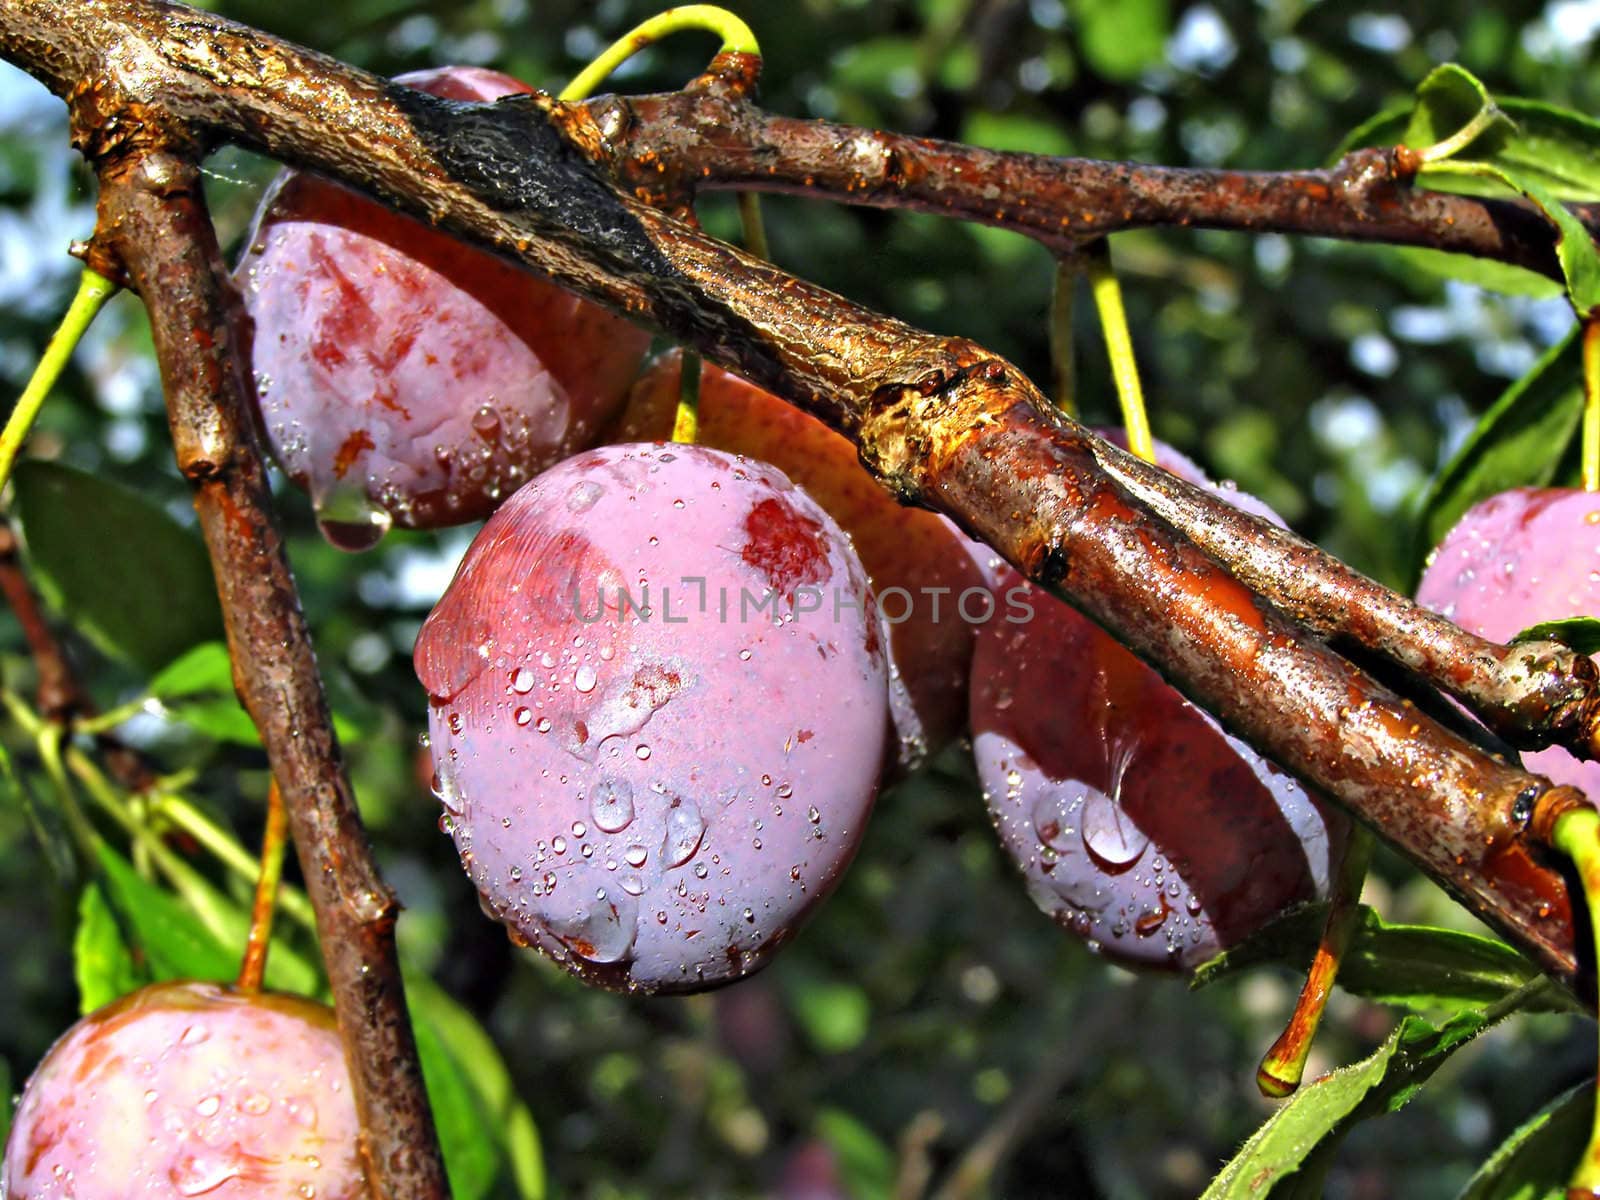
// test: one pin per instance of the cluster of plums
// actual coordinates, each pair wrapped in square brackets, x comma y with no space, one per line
[667,680]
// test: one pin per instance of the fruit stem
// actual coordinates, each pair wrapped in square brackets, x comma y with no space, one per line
[686,425]
[737,38]
[1591,402]
[93,291]
[1107,294]
[256,945]
[1284,1064]
[755,229]
[1063,360]
[1577,835]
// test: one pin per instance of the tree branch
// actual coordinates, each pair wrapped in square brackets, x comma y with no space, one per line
[153,221]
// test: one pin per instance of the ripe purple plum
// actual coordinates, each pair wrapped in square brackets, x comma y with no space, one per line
[1514,560]
[406,377]
[657,712]
[1137,822]
[189,1089]
[921,566]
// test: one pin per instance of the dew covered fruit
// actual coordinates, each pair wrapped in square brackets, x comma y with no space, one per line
[189,1089]
[1518,559]
[405,377]
[1137,822]
[657,711]
[931,593]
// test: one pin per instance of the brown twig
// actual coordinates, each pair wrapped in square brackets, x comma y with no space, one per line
[61,697]
[153,221]
[1118,1010]
[1532,694]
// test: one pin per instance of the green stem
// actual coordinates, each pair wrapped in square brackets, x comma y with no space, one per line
[1577,835]
[1107,294]
[230,853]
[1063,358]
[1461,138]
[93,291]
[755,229]
[47,738]
[737,38]
[686,425]
[1591,403]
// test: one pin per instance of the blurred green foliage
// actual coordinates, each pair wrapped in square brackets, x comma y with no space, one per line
[1331,380]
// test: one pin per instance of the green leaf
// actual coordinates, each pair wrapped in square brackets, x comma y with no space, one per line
[1535,1162]
[1314,1121]
[1480,272]
[1120,38]
[1554,148]
[1450,99]
[1519,442]
[202,668]
[866,1164]
[1579,257]
[137,583]
[1417,966]
[1580,633]
[177,944]
[6,1092]
[470,1159]
[196,689]
[102,962]
[172,941]
[491,1114]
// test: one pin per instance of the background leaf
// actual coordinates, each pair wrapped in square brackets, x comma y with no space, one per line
[1519,442]
[1535,1162]
[121,570]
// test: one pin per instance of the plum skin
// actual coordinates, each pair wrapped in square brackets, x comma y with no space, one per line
[403,375]
[1137,822]
[186,1089]
[1516,559]
[920,553]
[655,793]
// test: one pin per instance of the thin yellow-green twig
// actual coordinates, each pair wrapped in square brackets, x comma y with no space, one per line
[1107,294]
[93,291]
[736,38]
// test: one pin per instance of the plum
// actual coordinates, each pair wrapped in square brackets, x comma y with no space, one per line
[657,712]
[404,376]
[189,1089]
[1137,822]
[1514,560]
[931,592]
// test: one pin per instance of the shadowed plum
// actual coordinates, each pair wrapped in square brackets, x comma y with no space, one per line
[1137,822]
[189,1089]
[658,712]
[1514,560]
[931,592]
[405,376]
